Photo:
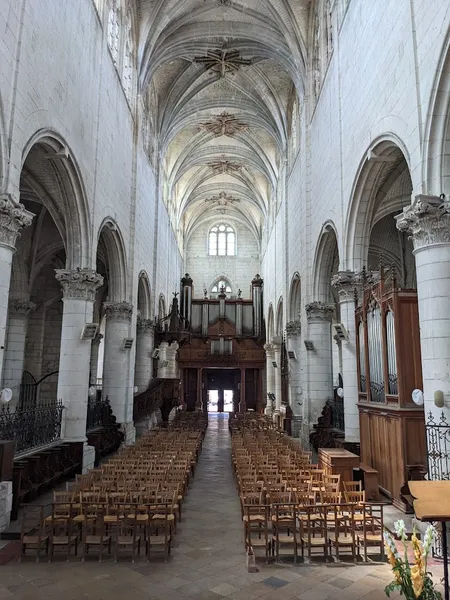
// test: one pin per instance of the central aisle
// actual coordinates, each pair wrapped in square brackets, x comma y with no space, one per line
[211,513]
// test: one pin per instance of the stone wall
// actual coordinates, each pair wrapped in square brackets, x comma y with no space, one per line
[239,270]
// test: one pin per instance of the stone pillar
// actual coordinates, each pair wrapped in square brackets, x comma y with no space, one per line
[18,313]
[345,283]
[144,348]
[293,339]
[13,218]
[95,346]
[79,287]
[116,382]
[320,365]
[242,403]
[276,344]
[428,222]
[270,377]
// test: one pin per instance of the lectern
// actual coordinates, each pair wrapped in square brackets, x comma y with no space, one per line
[432,503]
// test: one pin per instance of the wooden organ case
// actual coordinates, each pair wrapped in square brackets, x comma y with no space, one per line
[392,427]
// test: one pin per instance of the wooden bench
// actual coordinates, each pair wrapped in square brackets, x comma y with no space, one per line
[370,482]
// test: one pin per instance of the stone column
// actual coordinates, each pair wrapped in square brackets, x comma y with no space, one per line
[257,304]
[13,218]
[270,377]
[79,287]
[95,346]
[18,313]
[293,340]
[144,347]
[116,382]
[242,403]
[345,283]
[276,344]
[320,364]
[428,222]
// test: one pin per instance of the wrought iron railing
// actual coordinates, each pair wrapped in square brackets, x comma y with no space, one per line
[32,428]
[98,412]
[438,446]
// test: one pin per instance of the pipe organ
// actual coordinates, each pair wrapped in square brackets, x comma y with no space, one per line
[392,427]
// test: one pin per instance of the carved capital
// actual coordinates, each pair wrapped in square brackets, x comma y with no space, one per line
[145,326]
[270,350]
[345,283]
[293,328]
[318,311]
[427,220]
[118,311]
[13,218]
[16,307]
[80,284]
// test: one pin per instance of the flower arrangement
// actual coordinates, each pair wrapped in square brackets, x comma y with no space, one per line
[412,579]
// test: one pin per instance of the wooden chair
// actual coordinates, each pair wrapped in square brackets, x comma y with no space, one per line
[61,534]
[127,533]
[94,534]
[372,530]
[34,535]
[342,534]
[285,528]
[314,531]
[159,530]
[256,528]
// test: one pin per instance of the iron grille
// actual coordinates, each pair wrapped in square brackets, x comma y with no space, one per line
[32,428]
[438,447]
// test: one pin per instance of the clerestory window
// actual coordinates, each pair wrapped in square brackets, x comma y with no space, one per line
[222,241]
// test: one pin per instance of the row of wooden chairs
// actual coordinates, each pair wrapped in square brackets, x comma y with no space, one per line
[319,531]
[273,471]
[148,479]
[105,528]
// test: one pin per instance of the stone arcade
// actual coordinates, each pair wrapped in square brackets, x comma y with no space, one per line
[283,166]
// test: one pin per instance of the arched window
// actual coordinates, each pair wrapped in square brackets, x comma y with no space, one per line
[222,241]
[114,18]
[221,284]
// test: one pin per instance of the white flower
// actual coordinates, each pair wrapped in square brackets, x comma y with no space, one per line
[391,544]
[430,534]
[400,529]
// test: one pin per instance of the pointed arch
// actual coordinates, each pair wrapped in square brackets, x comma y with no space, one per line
[295,297]
[326,263]
[436,170]
[280,318]
[111,250]
[51,173]
[384,159]
[270,324]
[144,302]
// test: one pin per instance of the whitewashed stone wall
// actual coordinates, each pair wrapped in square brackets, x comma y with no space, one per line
[379,83]
[239,270]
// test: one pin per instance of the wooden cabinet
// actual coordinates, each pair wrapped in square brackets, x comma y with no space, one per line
[337,461]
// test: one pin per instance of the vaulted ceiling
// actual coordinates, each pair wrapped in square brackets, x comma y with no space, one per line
[220,76]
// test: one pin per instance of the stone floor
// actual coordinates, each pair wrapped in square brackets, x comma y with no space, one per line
[208,559]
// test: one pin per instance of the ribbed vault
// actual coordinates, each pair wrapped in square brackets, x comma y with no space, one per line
[218,76]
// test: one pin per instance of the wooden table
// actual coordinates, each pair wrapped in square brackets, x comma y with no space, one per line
[432,503]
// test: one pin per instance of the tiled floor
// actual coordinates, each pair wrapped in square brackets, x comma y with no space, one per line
[208,561]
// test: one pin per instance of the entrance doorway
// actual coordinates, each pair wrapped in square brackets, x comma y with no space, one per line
[220,401]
